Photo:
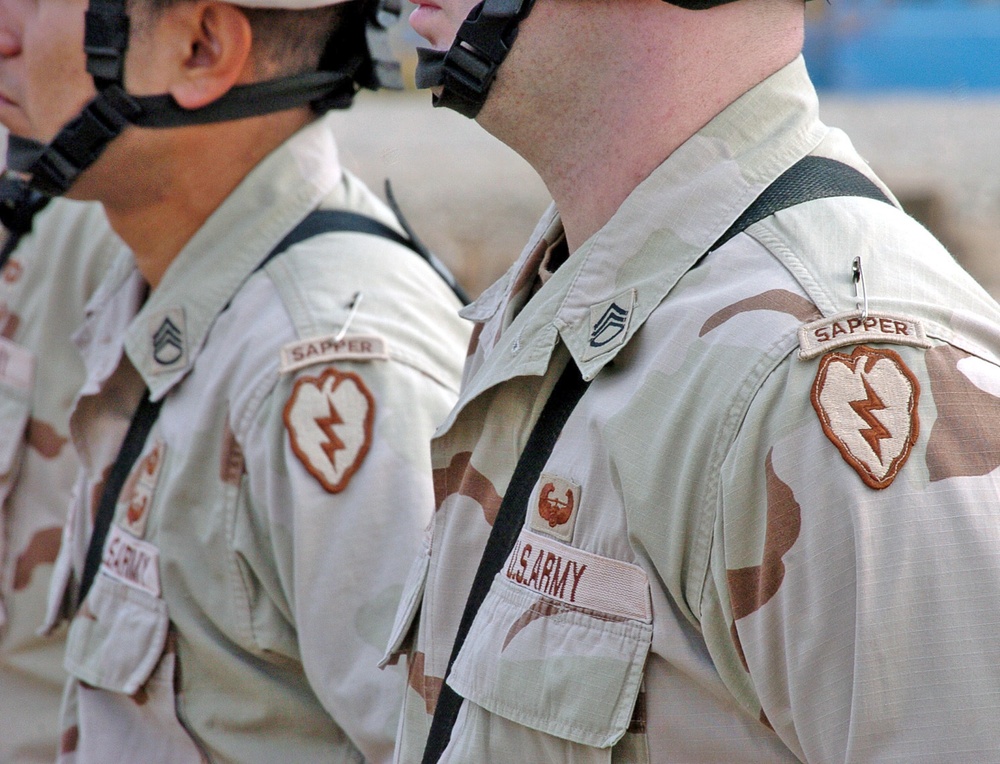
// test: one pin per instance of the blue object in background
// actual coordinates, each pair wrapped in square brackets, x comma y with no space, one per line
[880,45]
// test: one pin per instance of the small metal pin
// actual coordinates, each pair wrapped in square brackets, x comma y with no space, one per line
[860,290]
[353,308]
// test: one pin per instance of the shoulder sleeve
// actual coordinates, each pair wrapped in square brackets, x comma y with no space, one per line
[856,574]
[338,460]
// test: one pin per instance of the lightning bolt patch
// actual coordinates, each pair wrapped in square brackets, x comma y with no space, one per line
[847,393]
[330,420]
[876,432]
[333,444]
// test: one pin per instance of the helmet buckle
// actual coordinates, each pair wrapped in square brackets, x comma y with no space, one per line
[105,42]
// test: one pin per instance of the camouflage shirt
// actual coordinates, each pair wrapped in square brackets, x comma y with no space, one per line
[769,530]
[261,541]
[43,289]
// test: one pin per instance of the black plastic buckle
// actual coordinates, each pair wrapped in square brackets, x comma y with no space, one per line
[82,141]
[18,204]
[466,78]
[105,42]
[481,45]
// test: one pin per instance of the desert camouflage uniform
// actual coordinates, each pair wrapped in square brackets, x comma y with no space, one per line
[749,545]
[43,289]
[261,541]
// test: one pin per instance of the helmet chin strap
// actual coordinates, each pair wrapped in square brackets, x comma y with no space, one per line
[466,71]
[22,153]
[430,69]
[55,167]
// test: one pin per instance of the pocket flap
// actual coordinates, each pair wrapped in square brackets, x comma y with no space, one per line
[409,604]
[15,406]
[117,637]
[542,655]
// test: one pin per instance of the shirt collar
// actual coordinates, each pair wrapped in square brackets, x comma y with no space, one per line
[606,290]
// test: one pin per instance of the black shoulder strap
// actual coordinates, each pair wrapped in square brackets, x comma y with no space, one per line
[811,178]
[808,179]
[135,440]
[567,392]
[421,249]
[326,221]
[314,224]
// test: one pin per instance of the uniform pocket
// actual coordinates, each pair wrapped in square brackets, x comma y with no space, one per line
[117,638]
[409,605]
[560,643]
[15,406]
[125,666]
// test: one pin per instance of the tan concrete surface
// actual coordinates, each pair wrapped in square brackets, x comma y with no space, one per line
[470,198]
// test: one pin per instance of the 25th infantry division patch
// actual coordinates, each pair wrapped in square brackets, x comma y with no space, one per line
[867,403]
[329,421]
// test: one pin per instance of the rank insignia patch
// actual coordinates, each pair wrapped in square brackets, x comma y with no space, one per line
[609,322]
[555,506]
[867,404]
[167,330]
[329,421]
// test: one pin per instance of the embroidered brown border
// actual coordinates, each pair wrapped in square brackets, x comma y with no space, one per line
[340,377]
[874,355]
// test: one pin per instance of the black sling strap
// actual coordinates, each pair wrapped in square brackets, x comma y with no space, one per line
[567,392]
[811,178]
[326,221]
[314,224]
[135,439]
[808,179]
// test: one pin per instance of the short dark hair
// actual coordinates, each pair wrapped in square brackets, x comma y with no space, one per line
[292,42]
[285,42]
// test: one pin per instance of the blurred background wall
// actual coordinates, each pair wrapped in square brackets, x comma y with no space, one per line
[915,83]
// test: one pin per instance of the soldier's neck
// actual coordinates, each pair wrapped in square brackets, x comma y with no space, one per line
[205,165]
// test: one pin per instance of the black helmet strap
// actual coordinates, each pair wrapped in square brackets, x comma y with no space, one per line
[466,71]
[53,168]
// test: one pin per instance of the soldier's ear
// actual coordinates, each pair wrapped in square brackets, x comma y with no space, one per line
[214,41]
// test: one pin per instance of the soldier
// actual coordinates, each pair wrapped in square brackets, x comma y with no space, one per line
[51,264]
[264,369]
[769,527]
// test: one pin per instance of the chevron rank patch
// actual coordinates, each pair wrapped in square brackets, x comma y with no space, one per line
[867,404]
[609,322]
[167,332]
[329,419]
